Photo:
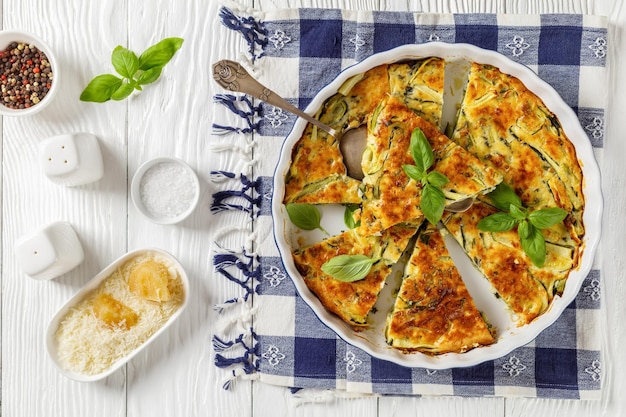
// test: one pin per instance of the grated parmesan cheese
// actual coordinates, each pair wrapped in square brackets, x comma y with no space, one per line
[88,346]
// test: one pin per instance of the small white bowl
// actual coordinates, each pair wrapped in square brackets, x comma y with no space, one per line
[165,190]
[8,36]
[93,284]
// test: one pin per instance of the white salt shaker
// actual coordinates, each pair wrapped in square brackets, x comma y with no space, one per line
[49,252]
[71,159]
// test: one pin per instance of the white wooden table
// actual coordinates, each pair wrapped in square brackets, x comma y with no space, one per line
[175,376]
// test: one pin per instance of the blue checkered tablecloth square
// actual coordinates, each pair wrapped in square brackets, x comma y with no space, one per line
[270,333]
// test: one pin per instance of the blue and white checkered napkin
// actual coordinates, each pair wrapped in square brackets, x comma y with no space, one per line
[270,334]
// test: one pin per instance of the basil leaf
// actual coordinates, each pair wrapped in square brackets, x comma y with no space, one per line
[124,91]
[413,172]
[101,88]
[437,179]
[149,76]
[349,268]
[432,200]
[547,217]
[348,216]
[304,216]
[432,203]
[159,54]
[523,229]
[497,222]
[124,61]
[534,246]
[518,213]
[421,151]
[503,196]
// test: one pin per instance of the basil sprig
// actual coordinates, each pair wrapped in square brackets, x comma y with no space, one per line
[433,200]
[305,216]
[136,71]
[529,223]
[349,268]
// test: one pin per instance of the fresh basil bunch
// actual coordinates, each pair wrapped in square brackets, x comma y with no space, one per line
[529,223]
[433,200]
[135,71]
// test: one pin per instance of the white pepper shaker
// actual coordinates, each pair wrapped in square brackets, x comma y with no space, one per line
[71,159]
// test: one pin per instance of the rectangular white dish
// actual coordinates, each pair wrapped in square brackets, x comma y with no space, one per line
[59,356]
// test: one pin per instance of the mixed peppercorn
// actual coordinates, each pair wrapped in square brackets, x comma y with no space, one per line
[26,76]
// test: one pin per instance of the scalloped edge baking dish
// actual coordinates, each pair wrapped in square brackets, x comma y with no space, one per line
[372,339]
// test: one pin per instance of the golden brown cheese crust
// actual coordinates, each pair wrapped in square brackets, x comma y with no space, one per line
[502,261]
[391,197]
[352,301]
[508,126]
[434,312]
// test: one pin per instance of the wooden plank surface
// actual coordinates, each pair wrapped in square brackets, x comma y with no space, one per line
[30,383]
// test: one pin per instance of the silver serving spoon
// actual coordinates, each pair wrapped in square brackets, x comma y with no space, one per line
[232,76]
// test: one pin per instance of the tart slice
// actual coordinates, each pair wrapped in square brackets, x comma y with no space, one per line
[419,84]
[390,195]
[317,174]
[501,259]
[352,301]
[506,125]
[434,312]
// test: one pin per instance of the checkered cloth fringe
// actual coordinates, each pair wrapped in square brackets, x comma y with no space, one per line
[273,335]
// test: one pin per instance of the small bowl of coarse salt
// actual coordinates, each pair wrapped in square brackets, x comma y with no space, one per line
[165,190]
[28,73]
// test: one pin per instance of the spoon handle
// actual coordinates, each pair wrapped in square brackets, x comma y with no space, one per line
[232,76]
